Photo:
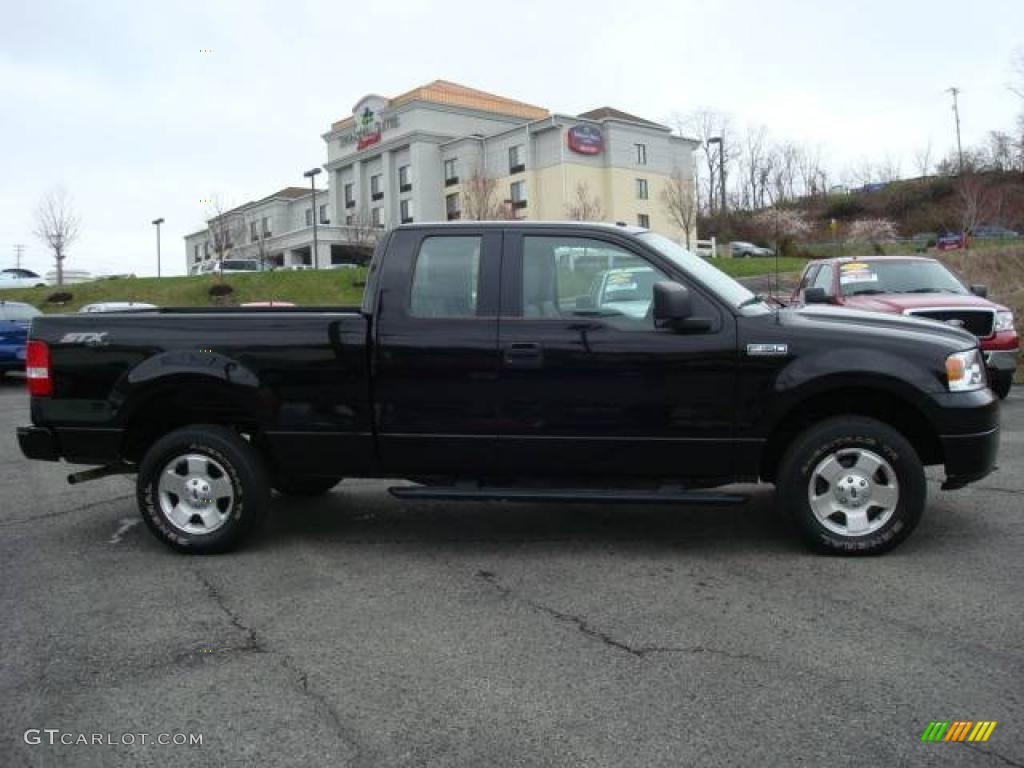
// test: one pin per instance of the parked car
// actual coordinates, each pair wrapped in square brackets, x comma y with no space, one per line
[992,232]
[20,278]
[921,287]
[15,319]
[116,306]
[743,250]
[234,266]
[344,265]
[470,369]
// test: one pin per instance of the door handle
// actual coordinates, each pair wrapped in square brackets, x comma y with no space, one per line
[524,354]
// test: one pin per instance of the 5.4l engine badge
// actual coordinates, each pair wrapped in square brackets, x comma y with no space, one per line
[767,350]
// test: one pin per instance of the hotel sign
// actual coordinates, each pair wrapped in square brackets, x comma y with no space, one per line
[586,140]
[370,123]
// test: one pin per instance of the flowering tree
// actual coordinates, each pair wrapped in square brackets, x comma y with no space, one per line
[871,230]
[781,224]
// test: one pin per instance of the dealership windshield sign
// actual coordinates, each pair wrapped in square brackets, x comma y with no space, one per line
[369,123]
[586,139]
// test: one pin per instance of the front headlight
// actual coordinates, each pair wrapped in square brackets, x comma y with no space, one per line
[965,371]
[1004,321]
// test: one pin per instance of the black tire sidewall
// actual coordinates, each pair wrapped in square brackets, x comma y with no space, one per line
[852,432]
[243,468]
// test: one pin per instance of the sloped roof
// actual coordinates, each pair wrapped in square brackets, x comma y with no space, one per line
[456,95]
[288,193]
[610,113]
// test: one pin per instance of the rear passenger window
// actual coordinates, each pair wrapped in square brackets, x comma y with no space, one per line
[444,281]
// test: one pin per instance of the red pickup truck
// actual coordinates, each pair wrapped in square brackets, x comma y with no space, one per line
[922,287]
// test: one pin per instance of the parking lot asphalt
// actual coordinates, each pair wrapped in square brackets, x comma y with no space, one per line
[360,630]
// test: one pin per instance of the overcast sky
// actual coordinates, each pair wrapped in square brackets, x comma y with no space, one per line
[115,101]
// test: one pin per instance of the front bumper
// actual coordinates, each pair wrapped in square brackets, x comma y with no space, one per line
[1003,360]
[969,458]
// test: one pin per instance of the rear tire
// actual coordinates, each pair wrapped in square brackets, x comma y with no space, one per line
[1001,383]
[305,486]
[202,489]
[852,486]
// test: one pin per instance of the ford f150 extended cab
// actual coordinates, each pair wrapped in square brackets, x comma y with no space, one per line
[518,361]
[922,287]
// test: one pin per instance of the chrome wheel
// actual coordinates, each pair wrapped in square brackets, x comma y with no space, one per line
[853,492]
[195,493]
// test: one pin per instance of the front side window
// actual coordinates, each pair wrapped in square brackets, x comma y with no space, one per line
[516,163]
[581,277]
[824,279]
[445,278]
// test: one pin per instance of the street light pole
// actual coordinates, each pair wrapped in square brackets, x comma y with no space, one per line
[157,223]
[311,175]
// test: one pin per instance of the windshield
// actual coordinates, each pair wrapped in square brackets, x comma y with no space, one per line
[715,279]
[871,277]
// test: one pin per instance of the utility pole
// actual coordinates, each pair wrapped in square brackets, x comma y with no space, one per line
[157,223]
[956,114]
[19,249]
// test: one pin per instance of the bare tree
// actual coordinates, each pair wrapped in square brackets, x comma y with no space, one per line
[679,197]
[584,206]
[226,229]
[480,199]
[923,159]
[1017,73]
[705,125]
[362,232]
[975,201]
[57,225]
[257,236]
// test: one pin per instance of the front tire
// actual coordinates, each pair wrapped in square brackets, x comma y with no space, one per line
[1001,384]
[202,489]
[852,486]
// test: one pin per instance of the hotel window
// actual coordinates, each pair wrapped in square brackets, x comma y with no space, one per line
[309,217]
[195,251]
[375,217]
[323,215]
[350,196]
[266,226]
[404,179]
[517,191]
[375,191]
[206,249]
[451,206]
[641,154]
[516,163]
[405,210]
[451,175]
[643,220]
[641,189]
[253,237]
[350,220]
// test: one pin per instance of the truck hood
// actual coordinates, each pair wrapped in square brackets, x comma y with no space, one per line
[898,303]
[843,321]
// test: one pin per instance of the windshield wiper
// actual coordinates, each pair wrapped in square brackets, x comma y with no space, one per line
[929,290]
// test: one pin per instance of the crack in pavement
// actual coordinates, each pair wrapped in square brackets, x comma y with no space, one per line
[992,753]
[59,513]
[256,644]
[583,626]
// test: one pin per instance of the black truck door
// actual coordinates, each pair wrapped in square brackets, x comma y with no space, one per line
[589,386]
[435,357]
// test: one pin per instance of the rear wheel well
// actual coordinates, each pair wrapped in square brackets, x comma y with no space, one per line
[890,409]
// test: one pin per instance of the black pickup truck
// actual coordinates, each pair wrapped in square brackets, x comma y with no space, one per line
[518,361]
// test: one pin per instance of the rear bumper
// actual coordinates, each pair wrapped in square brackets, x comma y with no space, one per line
[38,443]
[76,446]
